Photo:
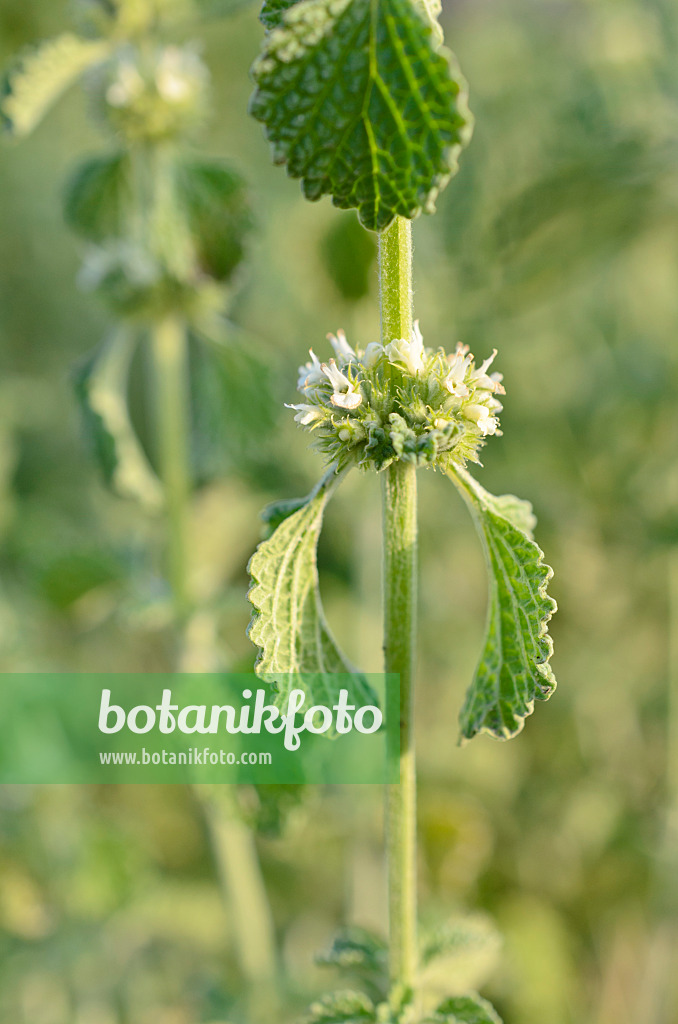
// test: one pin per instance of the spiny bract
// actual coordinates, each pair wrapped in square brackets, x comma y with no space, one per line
[398,401]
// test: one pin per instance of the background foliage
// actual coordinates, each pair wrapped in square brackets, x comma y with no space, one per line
[558,244]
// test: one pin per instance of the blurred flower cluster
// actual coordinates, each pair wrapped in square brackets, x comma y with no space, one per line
[154,94]
[398,401]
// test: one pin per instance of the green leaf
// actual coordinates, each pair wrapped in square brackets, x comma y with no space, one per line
[342,1008]
[40,76]
[349,254]
[360,105]
[97,198]
[272,11]
[360,952]
[234,402]
[101,389]
[214,198]
[514,669]
[458,956]
[467,1010]
[288,625]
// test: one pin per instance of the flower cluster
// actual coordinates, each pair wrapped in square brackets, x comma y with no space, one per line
[153,95]
[399,401]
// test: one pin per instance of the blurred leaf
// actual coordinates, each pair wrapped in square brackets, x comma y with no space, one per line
[342,1008]
[288,625]
[101,389]
[41,75]
[467,1010]
[362,954]
[234,403]
[360,106]
[458,956]
[97,197]
[69,577]
[349,254]
[215,201]
[514,669]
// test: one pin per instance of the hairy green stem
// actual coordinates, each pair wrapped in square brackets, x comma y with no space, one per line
[395,280]
[399,502]
[170,361]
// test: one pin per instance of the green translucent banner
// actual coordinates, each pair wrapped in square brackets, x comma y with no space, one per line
[207,728]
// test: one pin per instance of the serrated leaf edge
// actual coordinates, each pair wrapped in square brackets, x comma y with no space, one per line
[468,488]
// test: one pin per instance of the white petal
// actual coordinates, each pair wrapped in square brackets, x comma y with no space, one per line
[342,349]
[306,413]
[373,354]
[337,379]
[351,400]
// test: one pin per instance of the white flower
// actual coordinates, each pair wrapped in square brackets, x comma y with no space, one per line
[485,381]
[459,364]
[411,353]
[372,355]
[127,87]
[342,349]
[306,413]
[480,415]
[310,373]
[347,393]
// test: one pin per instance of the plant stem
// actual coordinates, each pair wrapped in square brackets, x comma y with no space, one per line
[395,280]
[170,360]
[237,863]
[399,498]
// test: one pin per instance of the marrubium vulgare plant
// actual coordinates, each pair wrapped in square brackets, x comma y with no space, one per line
[165,233]
[362,102]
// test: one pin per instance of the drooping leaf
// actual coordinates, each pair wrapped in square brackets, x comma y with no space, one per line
[342,1008]
[214,198]
[41,75]
[360,104]
[467,1010]
[101,388]
[514,669]
[288,625]
[97,198]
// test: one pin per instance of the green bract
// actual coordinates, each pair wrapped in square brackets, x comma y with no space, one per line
[398,402]
[360,103]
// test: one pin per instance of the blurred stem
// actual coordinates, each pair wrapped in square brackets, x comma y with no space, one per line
[170,361]
[672,737]
[399,502]
[237,862]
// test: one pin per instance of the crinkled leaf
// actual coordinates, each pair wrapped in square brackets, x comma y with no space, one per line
[101,388]
[214,199]
[467,1010]
[360,104]
[342,1008]
[41,75]
[288,625]
[514,669]
[98,197]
